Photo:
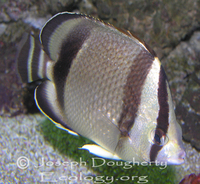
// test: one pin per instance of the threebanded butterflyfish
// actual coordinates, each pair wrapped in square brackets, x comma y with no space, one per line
[104,84]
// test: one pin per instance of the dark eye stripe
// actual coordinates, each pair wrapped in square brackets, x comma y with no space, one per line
[163,116]
[162,120]
[154,151]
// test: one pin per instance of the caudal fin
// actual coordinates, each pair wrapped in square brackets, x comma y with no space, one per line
[31,61]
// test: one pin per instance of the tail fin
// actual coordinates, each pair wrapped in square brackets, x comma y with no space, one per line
[31,61]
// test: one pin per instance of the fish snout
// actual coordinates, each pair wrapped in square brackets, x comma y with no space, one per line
[178,158]
[181,155]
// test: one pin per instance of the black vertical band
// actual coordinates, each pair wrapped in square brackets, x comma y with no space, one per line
[133,90]
[163,116]
[69,49]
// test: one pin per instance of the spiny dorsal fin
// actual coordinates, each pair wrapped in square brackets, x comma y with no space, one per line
[55,31]
[58,29]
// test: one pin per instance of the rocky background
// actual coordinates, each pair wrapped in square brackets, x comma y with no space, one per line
[170,27]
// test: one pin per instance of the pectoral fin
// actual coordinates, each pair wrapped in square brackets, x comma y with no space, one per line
[99,151]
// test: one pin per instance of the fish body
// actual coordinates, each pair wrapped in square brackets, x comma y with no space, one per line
[104,84]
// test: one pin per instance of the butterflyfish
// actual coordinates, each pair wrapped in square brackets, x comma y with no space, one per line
[105,84]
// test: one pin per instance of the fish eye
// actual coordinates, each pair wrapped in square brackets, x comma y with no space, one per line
[159,137]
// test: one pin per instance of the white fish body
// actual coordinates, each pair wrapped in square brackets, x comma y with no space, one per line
[106,85]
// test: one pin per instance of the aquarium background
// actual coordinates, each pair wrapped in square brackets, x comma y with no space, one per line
[34,150]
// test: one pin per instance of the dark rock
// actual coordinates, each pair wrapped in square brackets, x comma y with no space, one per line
[191,179]
[188,113]
[10,85]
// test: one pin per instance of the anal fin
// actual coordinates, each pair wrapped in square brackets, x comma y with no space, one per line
[64,128]
[46,100]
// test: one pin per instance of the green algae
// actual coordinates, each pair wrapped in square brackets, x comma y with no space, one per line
[68,145]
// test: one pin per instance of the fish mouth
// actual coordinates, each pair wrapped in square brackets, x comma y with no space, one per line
[177,159]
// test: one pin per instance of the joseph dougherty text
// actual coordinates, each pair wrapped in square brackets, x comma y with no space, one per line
[101,162]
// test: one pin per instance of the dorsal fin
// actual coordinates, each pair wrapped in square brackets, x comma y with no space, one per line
[59,28]
[55,31]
